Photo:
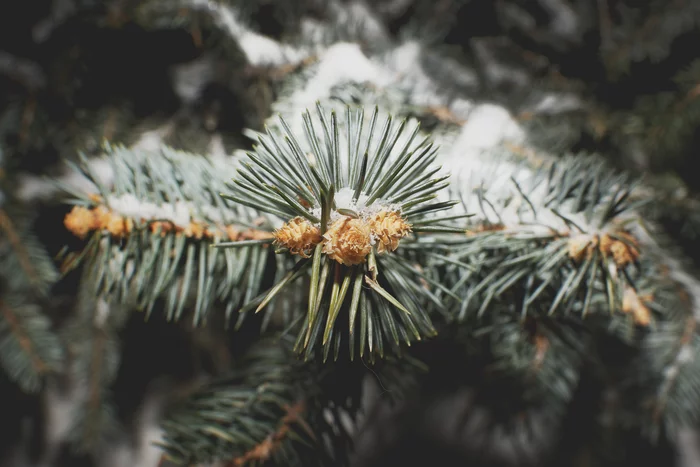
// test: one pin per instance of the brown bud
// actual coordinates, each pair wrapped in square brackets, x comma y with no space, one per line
[388,228]
[299,236]
[347,241]
[80,221]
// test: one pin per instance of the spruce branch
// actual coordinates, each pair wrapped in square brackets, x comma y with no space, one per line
[558,232]
[653,371]
[29,349]
[535,362]
[665,121]
[685,348]
[646,35]
[350,199]
[667,365]
[24,264]
[150,234]
[267,409]
[545,353]
[94,351]
[226,22]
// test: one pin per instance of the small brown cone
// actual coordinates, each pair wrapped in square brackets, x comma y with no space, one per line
[388,228]
[299,236]
[347,241]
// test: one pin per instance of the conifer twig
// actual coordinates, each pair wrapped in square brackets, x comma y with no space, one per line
[671,374]
[23,256]
[91,333]
[40,367]
[263,451]
[254,414]
[349,200]
[164,231]
[30,349]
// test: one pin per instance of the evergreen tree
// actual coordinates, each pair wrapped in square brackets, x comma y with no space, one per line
[343,232]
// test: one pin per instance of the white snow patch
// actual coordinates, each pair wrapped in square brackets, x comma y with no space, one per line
[102,311]
[341,63]
[407,63]
[554,104]
[35,188]
[152,140]
[565,22]
[368,28]
[217,151]
[343,199]
[258,49]
[129,206]
[480,161]
[60,405]
[190,78]
[488,127]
